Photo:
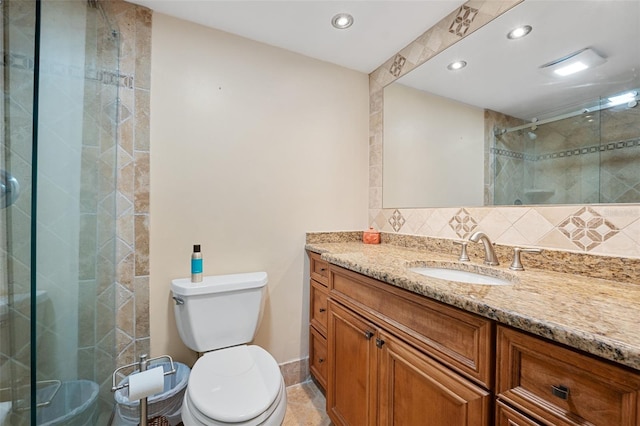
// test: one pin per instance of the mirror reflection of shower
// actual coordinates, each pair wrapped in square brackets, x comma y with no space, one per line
[570,158]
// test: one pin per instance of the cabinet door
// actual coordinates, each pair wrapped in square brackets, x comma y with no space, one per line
[351,394]
[414,389]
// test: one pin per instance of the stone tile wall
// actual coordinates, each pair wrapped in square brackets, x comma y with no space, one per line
[132,247]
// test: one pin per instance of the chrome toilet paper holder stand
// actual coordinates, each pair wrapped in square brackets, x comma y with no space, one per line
[142,365]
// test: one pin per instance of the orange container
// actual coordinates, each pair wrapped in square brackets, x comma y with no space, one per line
[371,236]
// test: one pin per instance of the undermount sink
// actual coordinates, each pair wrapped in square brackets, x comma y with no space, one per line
[467,277]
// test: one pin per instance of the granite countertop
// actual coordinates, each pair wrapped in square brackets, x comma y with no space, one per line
[598,316]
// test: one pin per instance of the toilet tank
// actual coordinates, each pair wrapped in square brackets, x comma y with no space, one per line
[220,311]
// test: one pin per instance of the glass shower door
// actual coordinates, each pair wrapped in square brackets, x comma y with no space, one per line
[16,164]
[57,244]
[75,339]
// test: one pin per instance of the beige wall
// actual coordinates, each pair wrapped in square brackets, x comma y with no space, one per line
[252,146]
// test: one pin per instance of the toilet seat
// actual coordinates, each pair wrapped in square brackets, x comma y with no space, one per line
[241,385]
[274,416]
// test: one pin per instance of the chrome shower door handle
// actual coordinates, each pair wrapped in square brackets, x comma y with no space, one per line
[9,189]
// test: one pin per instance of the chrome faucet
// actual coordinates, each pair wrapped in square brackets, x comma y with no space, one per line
[490,257]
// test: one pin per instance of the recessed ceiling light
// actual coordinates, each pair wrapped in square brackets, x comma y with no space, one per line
[519,32]
[457,65]
[342,21]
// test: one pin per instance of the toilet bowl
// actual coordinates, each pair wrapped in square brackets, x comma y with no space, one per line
[241,385]
[232,383]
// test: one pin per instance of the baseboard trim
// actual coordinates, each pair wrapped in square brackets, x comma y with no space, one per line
[295,372]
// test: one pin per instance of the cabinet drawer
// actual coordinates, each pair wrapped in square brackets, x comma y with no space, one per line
[559,386]
[319,268]
[318,356]
[461,340]
[318,313]
[507,416]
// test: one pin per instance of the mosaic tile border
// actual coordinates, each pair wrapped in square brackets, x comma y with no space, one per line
[593,149]
[461,24]
[104,76]
[617,232]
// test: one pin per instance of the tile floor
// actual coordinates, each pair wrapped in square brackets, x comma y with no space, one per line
[305,406]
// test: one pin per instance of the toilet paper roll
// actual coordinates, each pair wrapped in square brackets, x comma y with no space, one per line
[146,383]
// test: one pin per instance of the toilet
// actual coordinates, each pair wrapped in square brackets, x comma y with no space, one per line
[232,383]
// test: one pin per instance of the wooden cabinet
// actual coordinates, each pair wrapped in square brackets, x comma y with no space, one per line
[559,386]
[319,273]
[387,356]
[376,377]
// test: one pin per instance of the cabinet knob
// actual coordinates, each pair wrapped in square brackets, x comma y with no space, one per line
[368,334]
[560,391]
[379,343]
[323,309]
[323,269]
[320,360]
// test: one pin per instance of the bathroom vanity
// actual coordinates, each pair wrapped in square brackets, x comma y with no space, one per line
[391,346]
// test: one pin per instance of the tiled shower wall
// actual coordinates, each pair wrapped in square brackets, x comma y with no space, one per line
[132,247]
[605,229]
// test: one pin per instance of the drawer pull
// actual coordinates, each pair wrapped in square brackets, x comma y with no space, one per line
[560,391]
[323,310]
[379,343]
[368,334]
[320,360]
[323,269]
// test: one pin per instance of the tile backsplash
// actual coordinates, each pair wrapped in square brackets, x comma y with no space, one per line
[612,230]
[601,229]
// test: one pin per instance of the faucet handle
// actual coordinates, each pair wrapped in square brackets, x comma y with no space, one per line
[516,265]
[464,257]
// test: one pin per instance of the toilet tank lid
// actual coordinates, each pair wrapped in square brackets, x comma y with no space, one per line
[219,283]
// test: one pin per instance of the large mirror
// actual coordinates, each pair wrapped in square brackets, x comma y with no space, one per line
[508,128]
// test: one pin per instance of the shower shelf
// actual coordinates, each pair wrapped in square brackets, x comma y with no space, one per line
[537,195]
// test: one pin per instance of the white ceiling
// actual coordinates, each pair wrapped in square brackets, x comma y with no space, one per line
[502,75]
[380,29]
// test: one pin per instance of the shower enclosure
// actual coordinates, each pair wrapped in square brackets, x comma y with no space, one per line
[57,212]
[591,155]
